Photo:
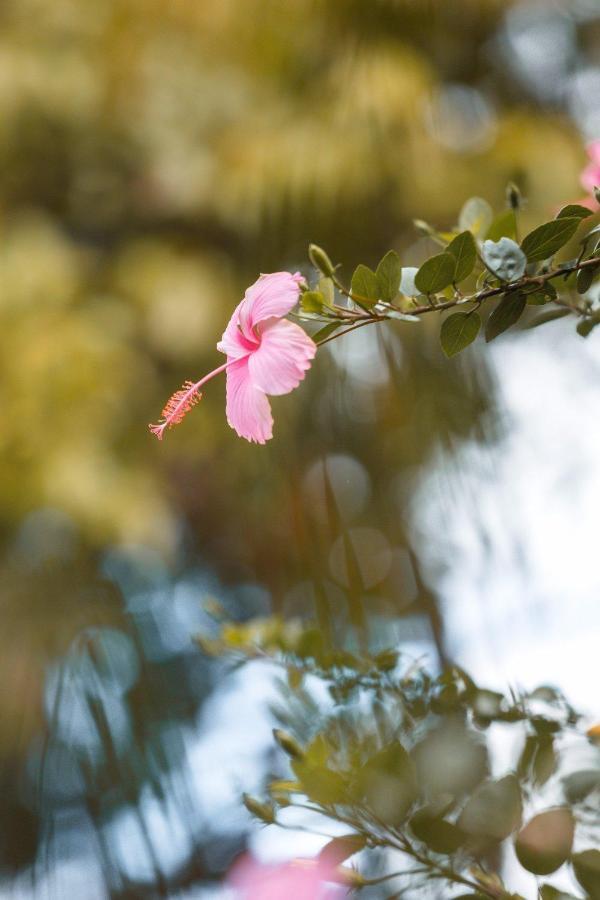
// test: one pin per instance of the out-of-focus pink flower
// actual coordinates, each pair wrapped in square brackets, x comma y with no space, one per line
[300,879]
[590,177]
[266,355]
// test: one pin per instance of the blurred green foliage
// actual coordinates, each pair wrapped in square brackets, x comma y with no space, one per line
[402,759]
[155,157]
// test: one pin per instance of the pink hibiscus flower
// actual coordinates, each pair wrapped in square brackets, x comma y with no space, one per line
[300,879]
[266,355]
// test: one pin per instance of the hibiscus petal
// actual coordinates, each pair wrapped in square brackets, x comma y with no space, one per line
[285,353]
[272,296]
[235,344]
[590,177]
[248,410]
[593,150]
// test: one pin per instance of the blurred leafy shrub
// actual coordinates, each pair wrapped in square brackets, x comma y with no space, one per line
[400,759]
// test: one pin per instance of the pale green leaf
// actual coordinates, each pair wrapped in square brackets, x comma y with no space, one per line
[364,286]
[387,782]
[476,216]
[327,289]
[388,275]
[312,301]
[493,811]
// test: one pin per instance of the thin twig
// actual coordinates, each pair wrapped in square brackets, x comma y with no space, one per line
[509,287]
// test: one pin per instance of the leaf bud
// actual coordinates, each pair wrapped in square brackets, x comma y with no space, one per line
[288,744]
[423,227]
[320,260]
[350,877]
[262,811]
[513,196]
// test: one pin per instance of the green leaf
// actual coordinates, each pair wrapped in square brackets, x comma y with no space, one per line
[543,295]
[544,844]
[586,866]
[494,811]
[438,834]
[319,782]
[476,216]
[436,273]
[387,660]
[504,258]
[504,225]
[312,301]
[549,892]
[458,331]
[450,741]
[507,313]
[586,326]
[578,785]
[387,782]
[574,211]
[538,759]
[324,332]
[365,285]
[464,251]
[544,241]
[327,289]
[585,278]
[324,786]
[388,275]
